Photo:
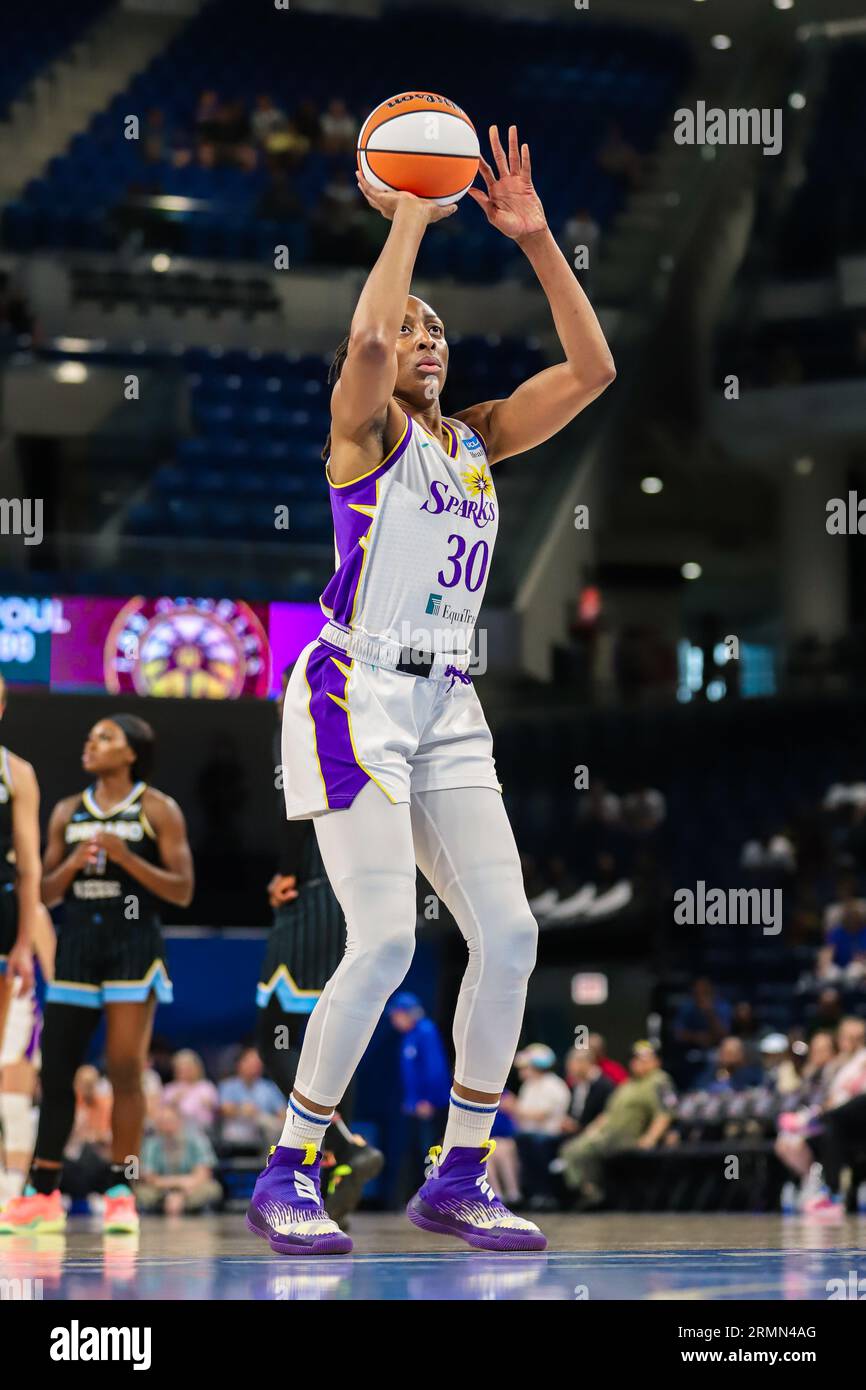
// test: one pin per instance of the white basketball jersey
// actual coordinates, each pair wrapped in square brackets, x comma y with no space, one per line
[414,539]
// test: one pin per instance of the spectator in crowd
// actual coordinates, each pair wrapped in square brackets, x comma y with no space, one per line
[829,1010]
[769,853]
[637,1115]
[177,1167]
[843,955]
[154,137]
[252,1109]
[779,1072]
[425,1082]
[540,1112]
[614,1071]
[195,1098]
[267,118]
[799,1118]
[590,1089]
[339,128]
[730,1071]
[580,240]
[844,1125]
[700,1024]
[745,1026]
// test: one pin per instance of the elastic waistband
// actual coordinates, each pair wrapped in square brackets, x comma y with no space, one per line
[382,651]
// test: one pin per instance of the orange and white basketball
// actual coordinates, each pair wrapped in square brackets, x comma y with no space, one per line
[420,143]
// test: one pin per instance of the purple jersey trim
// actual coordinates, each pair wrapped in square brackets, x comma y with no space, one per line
[350,526]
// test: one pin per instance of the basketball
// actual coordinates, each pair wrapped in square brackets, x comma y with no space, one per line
[420,143]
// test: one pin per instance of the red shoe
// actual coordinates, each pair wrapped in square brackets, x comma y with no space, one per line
[120,1216]
[33,1212]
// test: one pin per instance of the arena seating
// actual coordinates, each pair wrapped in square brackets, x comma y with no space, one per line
[827,216]
[598,74]
[34,36]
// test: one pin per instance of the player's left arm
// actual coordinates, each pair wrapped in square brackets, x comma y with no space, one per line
[174,881]
[544,404]
[28,867]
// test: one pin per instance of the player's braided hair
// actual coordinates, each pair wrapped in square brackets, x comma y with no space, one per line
[334,371]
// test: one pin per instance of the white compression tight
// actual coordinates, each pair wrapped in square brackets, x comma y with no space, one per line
[463,843]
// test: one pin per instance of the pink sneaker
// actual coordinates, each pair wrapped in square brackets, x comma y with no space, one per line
[824,1207]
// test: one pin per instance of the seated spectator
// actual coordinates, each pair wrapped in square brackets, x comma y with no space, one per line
[779,1070]
[590,1089]
[745,1026]
[339,128]
[614,1071]
[730,1071]
[770,854]
[800,1115]
[637,1115]
[252,1109]
[699,1025]
[177,1167]
[194,1097]
[541,1108]
[844,952]
[266,118]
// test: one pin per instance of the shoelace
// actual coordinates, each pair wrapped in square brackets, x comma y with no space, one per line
[456,674]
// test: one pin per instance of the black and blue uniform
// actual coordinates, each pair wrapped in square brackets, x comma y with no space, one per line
[8,898]
[110,947]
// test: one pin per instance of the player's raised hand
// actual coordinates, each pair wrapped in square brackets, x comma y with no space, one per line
[511,203]
[387,201]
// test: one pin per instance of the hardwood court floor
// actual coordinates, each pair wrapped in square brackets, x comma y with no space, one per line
[605,1256]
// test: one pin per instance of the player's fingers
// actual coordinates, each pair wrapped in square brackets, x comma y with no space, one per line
[525,161]
[486,173]
[513,156]
[498,152]
[478,197]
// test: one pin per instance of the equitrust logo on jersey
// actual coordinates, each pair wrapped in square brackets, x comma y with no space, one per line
[434,603]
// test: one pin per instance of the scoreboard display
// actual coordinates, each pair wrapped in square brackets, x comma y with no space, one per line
[177,647]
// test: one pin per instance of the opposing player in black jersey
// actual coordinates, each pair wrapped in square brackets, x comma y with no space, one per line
[20,906]
[115,853]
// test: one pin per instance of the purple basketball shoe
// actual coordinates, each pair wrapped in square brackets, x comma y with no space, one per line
[457,1200]
[286,1207]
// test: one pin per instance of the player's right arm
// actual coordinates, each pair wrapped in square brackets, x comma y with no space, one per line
[58,867]
[363,415]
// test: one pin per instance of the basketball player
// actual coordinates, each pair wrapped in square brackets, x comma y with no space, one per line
[20,926]
[384,740]
[304,949]
[114,852]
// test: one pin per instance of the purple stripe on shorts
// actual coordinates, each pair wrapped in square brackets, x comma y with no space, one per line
[342,775]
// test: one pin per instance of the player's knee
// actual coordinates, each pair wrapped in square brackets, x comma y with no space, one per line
[386,960]
[519,945]
[125,1074]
